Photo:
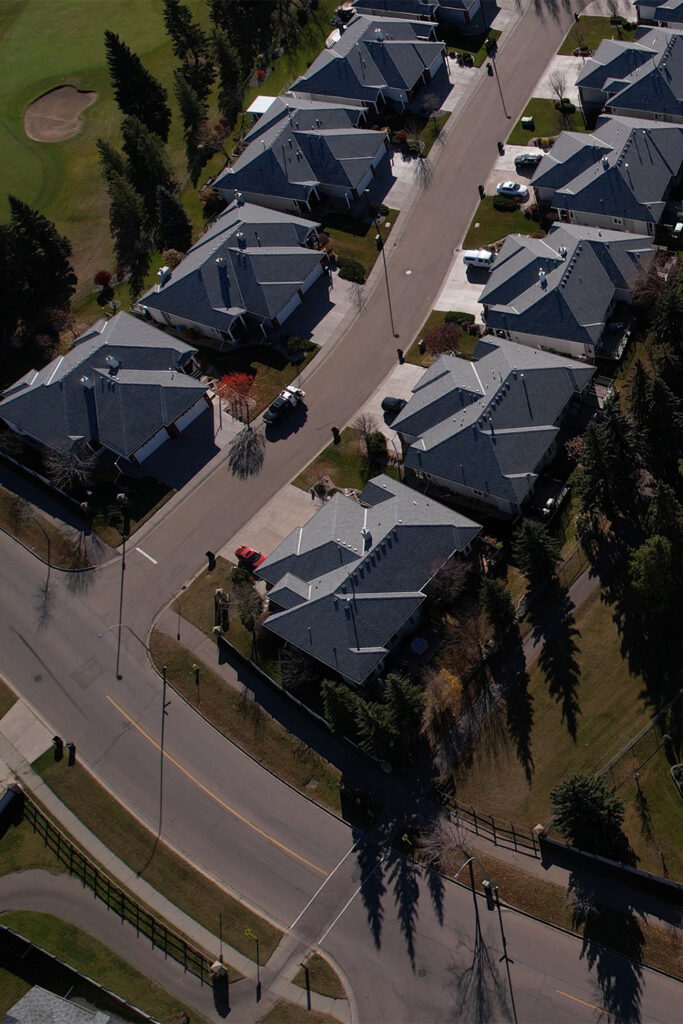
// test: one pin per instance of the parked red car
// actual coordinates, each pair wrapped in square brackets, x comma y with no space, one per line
[249,557]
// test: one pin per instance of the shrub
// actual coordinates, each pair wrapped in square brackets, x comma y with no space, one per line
[382,210]
[456,317]
[172,258]
[296,344]
[103,278]
[402,137]
[505,204]
[351,270]
[377,446]
[323,239]
[240,577]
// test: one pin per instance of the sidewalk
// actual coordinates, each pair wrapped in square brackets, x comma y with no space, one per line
[22,737]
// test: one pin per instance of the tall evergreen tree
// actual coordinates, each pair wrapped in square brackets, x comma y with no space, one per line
[127,224]
[43,271]
[536,553]
[230,76]
[640,397]
[147,162]
[620,463]
[667,316]
[137,92]
[190,45]
[193,111]
[497,606]
[588,813]
[664,432]
[111,161]
[665,515]
[13,299]
[340,707]
[173,227]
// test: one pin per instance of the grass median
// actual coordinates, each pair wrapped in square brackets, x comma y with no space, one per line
[245,722]
[91,957]
[154,861]
[289,1013]
[322,978]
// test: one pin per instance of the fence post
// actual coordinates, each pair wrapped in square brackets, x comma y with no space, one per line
[474,815]
[137,919]
[151,917]
[71,859]
[514,837]
[493,826]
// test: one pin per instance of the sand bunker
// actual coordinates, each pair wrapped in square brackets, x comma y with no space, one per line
[54,116]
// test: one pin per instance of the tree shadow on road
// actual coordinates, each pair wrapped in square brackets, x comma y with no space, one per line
[481,994]
[618,976]
[403,875]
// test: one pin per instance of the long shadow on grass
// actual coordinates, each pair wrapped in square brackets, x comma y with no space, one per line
[554,627]
[511,675]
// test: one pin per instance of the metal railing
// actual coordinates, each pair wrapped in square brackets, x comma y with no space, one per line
[113,896]
[521,840]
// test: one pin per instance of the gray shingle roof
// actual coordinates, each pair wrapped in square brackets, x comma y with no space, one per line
[352,576]
[644,75]
[371,55]
[39,1006]
[487,424]
[624,169]
[291,163]
[561,286]
[136,389]
[258,273]
[303,113]
[671,11]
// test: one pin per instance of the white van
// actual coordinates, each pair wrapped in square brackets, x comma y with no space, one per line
[478,258]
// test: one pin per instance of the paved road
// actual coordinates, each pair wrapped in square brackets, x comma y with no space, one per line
[234,820]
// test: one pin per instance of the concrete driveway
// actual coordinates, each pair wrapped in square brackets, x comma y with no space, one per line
[291,507]
[399,384]
[462,288]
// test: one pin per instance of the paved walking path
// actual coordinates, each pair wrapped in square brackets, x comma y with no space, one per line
[22,736]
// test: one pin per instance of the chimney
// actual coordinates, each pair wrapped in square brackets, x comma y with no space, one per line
[87,383]
[163,273]
[542,279]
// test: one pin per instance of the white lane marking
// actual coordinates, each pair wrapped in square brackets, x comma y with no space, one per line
[145,555]
[350,901]
[321,887]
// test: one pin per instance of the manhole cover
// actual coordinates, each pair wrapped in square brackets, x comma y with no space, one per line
[38,678]
[422,973]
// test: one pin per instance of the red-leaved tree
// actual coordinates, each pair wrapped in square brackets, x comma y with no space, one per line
[442,338]
[235,388]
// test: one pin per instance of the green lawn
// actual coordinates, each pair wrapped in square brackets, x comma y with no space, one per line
[21,848]
[548,122]
[86,954]
[342,463]
[590,31]
[38,533]
[322,978]
[7,698]
[138,847]
[248,725]
[289,1013]
[470,44]
[490,225]
[655,825]
[12,989]
[355,239]
[466,344]
[610,712]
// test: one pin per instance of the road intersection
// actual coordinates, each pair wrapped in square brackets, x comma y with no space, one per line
[410,951]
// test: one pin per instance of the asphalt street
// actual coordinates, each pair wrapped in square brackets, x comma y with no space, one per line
[240,824]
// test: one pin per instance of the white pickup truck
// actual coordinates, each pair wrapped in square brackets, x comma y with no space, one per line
[287,399]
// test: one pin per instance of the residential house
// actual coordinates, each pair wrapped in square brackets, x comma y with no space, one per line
[484,429]
[620,176]
[347,586]
[301,113]
[376,61]
[124,389]
[299,160]
[559,292]
[465,16]
[668,15]
[639,79]
[252,267]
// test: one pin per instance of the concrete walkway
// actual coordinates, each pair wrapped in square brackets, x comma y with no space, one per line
[24,736]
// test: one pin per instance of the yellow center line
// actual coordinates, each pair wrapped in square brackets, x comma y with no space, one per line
[216,799]
[600,1009]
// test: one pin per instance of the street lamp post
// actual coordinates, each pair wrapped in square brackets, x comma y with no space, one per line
[380,245]
[123,502]
[492,58]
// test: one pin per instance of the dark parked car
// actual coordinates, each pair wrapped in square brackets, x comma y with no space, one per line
[393,405]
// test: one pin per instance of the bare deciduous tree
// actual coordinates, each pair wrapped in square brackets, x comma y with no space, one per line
[246,453]
[557,80]
[70,468]
[365,424]
[445,845]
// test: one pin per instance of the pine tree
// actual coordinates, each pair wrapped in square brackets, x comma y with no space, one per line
[43,272]
[665,515]
[147,162]
[111,161]
[497,606]
[640,397]
[173,227]
[619,451]
[535,552]
[193,111]
[230,76]
[137,92]
[664,432]
[588,813]
[127,224]
[340,708]
[13,298]
[190,45]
